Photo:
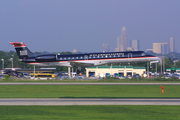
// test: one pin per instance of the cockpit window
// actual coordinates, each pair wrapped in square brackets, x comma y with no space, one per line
[144,53]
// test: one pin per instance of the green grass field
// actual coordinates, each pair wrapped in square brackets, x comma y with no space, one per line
[88,91]
[123,112]
[91,112]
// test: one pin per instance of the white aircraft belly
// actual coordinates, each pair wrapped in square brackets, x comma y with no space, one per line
[105,61]
[52,64]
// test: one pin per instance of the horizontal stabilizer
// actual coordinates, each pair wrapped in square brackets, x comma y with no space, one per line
[17,44]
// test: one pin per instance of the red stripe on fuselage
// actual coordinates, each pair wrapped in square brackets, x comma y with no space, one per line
[92,59]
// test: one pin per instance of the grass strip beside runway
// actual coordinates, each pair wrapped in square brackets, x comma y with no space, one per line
[125,112]
[86,91]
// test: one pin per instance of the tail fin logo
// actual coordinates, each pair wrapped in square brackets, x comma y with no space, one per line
[23,52]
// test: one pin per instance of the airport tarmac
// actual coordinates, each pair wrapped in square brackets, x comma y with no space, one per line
[87,101]
[39,83]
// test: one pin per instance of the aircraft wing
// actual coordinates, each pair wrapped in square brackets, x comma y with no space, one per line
[90,63]
[102,63]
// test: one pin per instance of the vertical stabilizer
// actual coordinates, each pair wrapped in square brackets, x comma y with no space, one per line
[22,51]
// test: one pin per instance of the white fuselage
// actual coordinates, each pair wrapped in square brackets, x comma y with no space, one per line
[96,62]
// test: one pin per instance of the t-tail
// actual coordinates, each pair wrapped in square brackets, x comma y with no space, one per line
[22,51]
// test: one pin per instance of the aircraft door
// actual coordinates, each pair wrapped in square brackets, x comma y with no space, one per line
[86,57]
[129,56]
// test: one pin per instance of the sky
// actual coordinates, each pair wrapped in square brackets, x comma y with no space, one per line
[84,25]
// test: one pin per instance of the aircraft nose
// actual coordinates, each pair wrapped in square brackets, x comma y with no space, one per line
[158,58]
[155,60]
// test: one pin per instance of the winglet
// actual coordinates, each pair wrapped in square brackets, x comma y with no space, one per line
[17,44]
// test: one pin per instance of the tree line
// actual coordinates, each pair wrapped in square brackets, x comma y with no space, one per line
[6,56]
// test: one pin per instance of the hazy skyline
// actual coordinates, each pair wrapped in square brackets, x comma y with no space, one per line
[84,25]
[122,41]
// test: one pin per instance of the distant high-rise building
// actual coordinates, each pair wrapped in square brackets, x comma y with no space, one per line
[106,47]
[157,48]
[122,41]
[171,45]
[130,49]
[135,45]
[164,49]
[123,38]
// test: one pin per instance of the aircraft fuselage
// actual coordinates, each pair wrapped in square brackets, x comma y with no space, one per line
[90,58]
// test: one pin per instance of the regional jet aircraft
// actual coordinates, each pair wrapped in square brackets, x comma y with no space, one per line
[86,59]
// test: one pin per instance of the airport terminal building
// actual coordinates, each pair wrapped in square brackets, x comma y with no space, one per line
[104,71]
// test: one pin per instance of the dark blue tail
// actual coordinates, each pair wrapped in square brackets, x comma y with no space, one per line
[22,51]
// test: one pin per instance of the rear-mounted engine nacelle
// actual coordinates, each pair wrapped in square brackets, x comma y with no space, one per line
[47,58]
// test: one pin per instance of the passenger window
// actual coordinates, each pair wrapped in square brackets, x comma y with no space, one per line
[121,55]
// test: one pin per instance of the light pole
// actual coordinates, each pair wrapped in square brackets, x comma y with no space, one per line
[156,70]
[2,63]
[12,61]
[164,70]
[161,65]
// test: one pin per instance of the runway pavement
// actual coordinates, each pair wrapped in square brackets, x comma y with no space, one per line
[87,101]
[56,83]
